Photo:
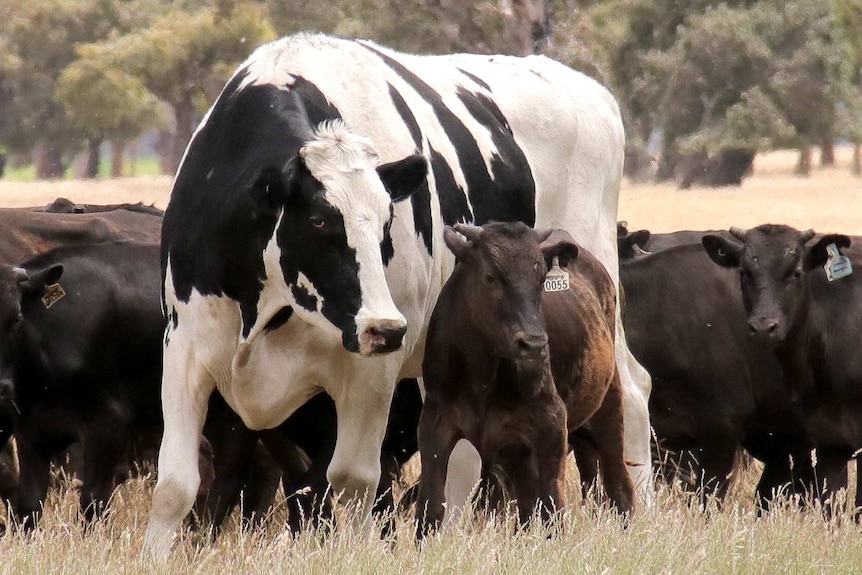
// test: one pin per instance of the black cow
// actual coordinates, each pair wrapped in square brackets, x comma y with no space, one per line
[809,323]
[713,390]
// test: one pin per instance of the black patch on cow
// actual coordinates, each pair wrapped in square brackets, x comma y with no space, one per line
[175,319]
[453,201]
[475,78]
[221,216]
[279,319]
[304,298]
[421,198]
[387,249]
[491,200]
[318,107]
[509,164]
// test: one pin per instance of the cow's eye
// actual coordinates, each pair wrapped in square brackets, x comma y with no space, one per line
[317,222]
[797,274]
[488,279]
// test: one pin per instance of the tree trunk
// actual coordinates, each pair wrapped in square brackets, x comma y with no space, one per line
[184,115]
[667,164]
[49,163]
[856,166]
[827,153]
[2,164]
[117,149]
[94,157]
[803,166]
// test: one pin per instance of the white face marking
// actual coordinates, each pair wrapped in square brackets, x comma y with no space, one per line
[346,165]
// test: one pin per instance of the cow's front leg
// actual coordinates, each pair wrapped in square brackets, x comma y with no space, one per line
[104,446]
[362,406]
[186,388]
[35,476]
[437,439]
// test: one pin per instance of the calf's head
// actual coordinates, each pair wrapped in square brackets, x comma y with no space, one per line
[773,263]
[503,269]
[335,207]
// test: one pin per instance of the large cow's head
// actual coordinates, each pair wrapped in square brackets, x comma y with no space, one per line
[502,269]
[334,206]
[773,263]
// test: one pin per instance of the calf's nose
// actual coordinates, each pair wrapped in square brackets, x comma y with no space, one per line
[530,344]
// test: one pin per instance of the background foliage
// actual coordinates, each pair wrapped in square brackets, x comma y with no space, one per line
[703,84]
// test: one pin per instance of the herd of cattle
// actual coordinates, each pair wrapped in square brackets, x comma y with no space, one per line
[740,360]
[271,326]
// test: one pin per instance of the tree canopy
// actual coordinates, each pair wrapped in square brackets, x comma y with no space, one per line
[708,77]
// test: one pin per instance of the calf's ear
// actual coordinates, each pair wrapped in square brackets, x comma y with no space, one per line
[457,244]
[565,250]
[723,251]
[403,177]
[816,255]
[39,279]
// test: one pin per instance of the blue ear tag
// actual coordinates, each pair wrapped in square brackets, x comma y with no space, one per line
[837,265]
[557,278]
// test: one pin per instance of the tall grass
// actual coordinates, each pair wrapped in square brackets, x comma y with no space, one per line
[672,536]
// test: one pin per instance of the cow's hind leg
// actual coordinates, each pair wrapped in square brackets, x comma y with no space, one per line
[186,388]
[607,426]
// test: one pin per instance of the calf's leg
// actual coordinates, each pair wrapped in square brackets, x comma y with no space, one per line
[104,447]
[437,438]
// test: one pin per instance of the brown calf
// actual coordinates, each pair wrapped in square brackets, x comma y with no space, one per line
[513,368]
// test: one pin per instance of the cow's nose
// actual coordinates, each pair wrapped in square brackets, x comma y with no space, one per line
[530,344]
[763,329]
[385,338]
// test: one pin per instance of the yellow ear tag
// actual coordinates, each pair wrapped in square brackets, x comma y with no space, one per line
[557,278]
[53,294]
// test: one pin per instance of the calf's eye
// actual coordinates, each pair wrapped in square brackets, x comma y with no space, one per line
[318,223]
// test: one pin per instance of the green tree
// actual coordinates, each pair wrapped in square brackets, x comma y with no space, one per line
[184,58]
[105,103]
[848,15]
[37,41]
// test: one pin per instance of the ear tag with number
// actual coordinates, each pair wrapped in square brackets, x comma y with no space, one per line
[53,294]
[557,278]
[838,265]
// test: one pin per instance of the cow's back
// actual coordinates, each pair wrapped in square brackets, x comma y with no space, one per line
[24,233]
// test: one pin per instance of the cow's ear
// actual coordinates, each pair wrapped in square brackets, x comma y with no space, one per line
[816,255]
[457,244]
[40,279]
[270,188]
[564,250]
[723,251]
[626,243]
[403,177]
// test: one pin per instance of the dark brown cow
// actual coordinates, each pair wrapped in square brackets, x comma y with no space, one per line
[512,368]
[67,206]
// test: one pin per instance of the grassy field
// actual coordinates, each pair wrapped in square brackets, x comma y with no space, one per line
[673,536]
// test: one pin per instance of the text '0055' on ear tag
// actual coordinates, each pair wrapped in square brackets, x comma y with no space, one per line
[557,278]
[837,265]
[53,294]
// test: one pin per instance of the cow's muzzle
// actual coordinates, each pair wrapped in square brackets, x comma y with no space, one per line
[7,396]
[765,331]
[381,337]
[530,345]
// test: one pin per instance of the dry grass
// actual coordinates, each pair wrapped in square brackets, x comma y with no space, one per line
[673,536]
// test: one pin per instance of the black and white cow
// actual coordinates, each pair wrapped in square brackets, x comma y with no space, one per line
[302,247]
